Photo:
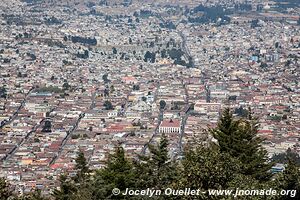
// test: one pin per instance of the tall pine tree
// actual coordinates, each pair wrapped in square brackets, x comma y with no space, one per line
[35,195]
[118,173]
[289,180]
[226,132]
[78,186]
[239,139]
[207,168]
[81,167]
[67,189]
[156,170]
[5,191]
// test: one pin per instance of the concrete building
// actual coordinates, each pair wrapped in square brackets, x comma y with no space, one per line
[170,126]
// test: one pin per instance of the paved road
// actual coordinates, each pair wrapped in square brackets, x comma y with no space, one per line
[69,133]
[185,49]
[160,118]
[93,104]
[12,153]
[34,129]
[13,117]
[183,119]
[182,127]
[156,92]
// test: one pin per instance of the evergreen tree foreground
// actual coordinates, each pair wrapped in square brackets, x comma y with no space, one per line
[237,160]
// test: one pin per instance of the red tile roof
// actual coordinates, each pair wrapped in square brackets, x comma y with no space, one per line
[170,123]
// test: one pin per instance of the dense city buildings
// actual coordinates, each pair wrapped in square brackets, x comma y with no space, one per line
[91,75]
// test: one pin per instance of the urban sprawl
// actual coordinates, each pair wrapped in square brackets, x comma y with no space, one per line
[91,75]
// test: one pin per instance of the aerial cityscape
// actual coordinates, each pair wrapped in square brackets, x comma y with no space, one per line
[92,75]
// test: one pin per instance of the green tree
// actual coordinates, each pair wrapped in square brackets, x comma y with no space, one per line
[105,78]
[81,167]
[66,86]
[289,179]
[35,195]
[162,104]
[5,191]
[156,170]
[239,139]
[241,112]
[66,190]
[114,50]
[77,188]
[3,92]
[225,131]
[163,53]
[112,89]
[136,87]
[149,57]
[106,92]
[84,193]
[208,168]
[263,65]
[244,182]
[284,157]
[253,157]
[118,173]
[108,105]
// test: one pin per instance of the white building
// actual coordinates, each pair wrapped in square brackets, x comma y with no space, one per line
[203,107]
[170,126]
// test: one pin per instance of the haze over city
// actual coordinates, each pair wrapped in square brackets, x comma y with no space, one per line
[81,80]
